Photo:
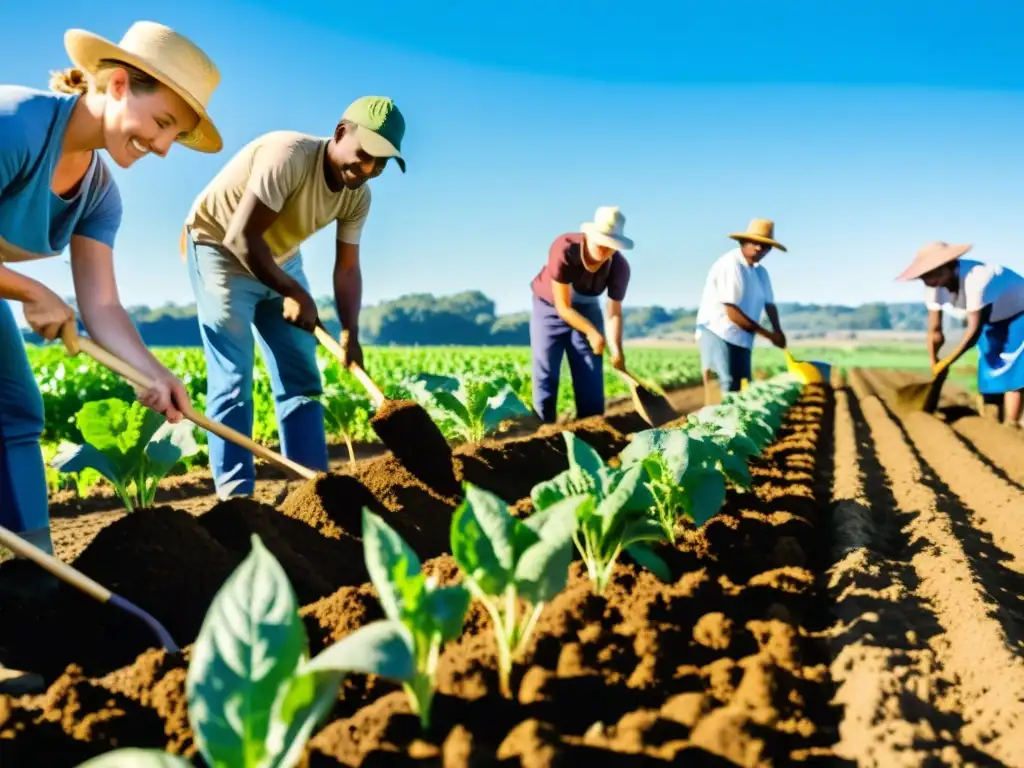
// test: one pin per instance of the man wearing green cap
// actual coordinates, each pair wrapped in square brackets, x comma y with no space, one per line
[241,241]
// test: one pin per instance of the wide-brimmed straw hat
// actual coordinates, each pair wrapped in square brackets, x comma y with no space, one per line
[932,256]
[606,228]
[760,231]
[168,56]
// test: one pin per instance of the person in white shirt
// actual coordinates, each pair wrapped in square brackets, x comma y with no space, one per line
[737,292]
[992,298]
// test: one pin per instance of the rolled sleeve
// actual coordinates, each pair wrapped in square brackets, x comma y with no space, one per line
[729,285]
[350,225]
[618,279]
[979,289]
[276,174]
[104,220]
[933,298]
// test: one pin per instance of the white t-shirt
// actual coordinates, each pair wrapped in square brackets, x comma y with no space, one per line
[981,285]
[732,281]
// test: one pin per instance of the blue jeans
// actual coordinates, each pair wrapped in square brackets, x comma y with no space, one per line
[24,504]
[231,304]
[731,362]
[550,338]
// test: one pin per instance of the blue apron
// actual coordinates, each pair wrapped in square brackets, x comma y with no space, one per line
[1001,356]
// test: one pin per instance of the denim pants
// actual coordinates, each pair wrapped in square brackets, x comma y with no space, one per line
[24,503]
[231,304]
[550,338]
[731,362]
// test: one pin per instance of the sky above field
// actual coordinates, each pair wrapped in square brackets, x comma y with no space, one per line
[863,129]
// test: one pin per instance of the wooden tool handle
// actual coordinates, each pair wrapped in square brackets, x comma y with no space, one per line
[375,392]
[627,378]
[136,377]
[61,570]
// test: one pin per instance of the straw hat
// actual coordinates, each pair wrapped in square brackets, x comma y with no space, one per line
[606,228]
[932,256]
[168,56]
[760,231]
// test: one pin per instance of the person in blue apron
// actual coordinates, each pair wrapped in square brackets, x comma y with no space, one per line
[991,297]
[133,99]
[566,317]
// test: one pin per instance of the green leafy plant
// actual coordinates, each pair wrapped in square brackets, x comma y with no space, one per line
[128,444]
[617,514]
[420,618]
[470,408]
[507,561]
[345,408]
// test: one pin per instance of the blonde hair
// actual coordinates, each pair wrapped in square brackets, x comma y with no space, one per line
[74,80]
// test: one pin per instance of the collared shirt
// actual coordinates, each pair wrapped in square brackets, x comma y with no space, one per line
[731,280]
[980,285]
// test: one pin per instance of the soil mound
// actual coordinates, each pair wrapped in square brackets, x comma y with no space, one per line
[415,440]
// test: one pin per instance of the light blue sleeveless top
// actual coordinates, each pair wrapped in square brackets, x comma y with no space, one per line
[34,222]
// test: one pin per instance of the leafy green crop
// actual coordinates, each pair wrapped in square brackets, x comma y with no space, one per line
[472,407]
[617,513]
[506,560]
[130,445]
[420,618]
[345,409]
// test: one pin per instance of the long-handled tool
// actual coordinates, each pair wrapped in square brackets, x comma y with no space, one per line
[376,394]
[652,407]
[139,379]
[922,395]
[79,580]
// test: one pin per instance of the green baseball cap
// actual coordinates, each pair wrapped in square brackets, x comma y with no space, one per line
[381,126]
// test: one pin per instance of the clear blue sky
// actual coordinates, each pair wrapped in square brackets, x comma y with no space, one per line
[862,131]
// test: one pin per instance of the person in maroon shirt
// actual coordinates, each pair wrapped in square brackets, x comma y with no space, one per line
[566,317]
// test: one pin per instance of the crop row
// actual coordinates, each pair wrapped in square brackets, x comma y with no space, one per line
[255,695]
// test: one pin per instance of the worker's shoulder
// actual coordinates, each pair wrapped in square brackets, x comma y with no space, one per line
[285,144]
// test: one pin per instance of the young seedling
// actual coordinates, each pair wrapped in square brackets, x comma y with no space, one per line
[420,618]
[344,406]
[470,409]
[130,445]
[506,561]
[617,513]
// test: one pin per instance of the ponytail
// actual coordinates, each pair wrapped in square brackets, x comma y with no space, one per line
[71,80]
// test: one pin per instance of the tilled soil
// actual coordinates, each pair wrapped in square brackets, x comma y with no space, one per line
[861,605]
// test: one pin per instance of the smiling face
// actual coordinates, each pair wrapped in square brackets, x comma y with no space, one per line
[142,116]
[350,164]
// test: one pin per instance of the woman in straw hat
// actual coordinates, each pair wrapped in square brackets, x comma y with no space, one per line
[992,297]
[132,99]
[566,317]
[736,293]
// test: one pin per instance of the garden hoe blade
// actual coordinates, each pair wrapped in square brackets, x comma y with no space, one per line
[652,407]
[80,581]
[405,428]
[920,396]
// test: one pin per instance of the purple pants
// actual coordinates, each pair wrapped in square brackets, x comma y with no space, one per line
[550,337]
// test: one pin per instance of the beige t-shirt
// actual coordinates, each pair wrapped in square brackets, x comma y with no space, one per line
[285,171]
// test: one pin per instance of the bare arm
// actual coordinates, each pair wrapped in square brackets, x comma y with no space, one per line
[245,240]
[348,286]
[773,317]
[614,331]
[738,317]
[935,336]
[562,293]
[17,287]
[104,317]
[976,322]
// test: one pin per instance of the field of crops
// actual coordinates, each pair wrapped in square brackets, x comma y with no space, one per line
[802,574]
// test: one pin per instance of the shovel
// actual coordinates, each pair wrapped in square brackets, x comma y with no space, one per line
[809,373]
[921,396]
[79,580]
[136,377]
[652,407]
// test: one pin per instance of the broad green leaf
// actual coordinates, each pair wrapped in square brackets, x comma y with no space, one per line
[646,558]
[297,712]
[169,445]
[671,444]
[383,648]
[432,382]
[453,406]
[736,470]
[474,553]
[613,506]
[569,482]
[446,607]
[133,757]
[582,455]
[642,529]
[103,422]
[77,458]
[495,521]
[389,561]
[249,645]
[543,569]
[704,496]
[501,406]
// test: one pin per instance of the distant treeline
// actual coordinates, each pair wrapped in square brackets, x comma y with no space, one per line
[469,318]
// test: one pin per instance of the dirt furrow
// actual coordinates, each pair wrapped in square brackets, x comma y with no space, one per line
[976,651]
[994,504]
[1001,446]
[888,680]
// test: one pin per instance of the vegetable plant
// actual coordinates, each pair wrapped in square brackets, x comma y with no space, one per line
[616,514]
[132,446]
[420,618]
[507,561]
[470,408]
[345,408]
